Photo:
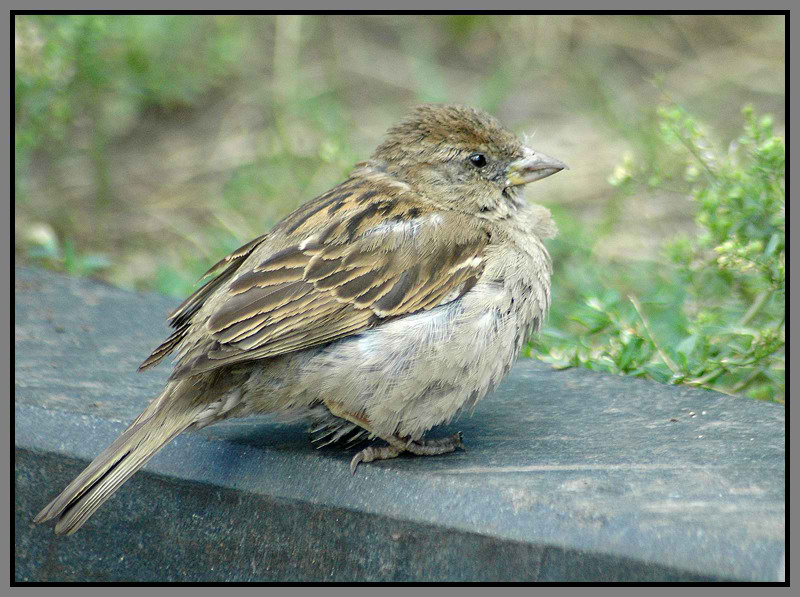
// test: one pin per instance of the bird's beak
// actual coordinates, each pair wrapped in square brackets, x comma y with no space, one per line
[532,166]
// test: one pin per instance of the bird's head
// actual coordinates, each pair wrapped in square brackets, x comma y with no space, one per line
[462,158]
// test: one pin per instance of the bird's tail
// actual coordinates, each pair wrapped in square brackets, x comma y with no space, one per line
[152,430]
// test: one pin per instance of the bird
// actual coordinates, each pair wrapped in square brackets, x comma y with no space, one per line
[378,310]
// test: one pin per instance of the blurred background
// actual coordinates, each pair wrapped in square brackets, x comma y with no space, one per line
[147,147]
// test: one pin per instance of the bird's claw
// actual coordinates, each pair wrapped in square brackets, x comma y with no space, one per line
[355,462]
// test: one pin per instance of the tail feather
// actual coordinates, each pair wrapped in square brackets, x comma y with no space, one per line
[150,432]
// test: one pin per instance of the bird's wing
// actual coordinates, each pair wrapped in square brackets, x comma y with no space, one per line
[180,318]
[350,266]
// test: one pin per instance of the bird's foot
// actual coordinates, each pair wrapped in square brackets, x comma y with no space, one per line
[374,453]
[428,447]
[433,447]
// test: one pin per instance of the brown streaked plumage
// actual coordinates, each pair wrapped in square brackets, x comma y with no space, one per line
[382,307]
[331,279]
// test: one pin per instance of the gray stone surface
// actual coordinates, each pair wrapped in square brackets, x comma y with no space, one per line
[568,475]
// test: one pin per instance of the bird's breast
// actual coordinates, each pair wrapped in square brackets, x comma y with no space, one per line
[411,373]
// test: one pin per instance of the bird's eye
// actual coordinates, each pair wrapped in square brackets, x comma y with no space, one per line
[478,160]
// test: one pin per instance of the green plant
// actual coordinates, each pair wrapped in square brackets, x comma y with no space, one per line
[714,315]
[44,249]
[104,70]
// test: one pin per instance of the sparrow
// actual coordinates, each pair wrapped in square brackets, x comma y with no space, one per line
[382,308]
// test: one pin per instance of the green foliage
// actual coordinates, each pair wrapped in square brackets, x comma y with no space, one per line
[45,250]
[104,70]
[714,315]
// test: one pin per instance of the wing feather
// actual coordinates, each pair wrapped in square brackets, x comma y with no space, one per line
[347,265]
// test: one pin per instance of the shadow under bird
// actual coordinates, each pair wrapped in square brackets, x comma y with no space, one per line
[381,308]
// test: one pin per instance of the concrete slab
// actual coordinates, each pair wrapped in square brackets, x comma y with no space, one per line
[568,475]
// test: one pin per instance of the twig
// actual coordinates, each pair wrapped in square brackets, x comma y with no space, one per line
[754,308]
[693,150]
[742,383]
[664,356]
[699,381]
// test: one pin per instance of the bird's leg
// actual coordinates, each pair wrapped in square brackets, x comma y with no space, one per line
[338,411]
[393,450]
[397,445]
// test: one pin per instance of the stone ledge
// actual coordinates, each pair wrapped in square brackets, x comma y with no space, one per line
[569,475]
